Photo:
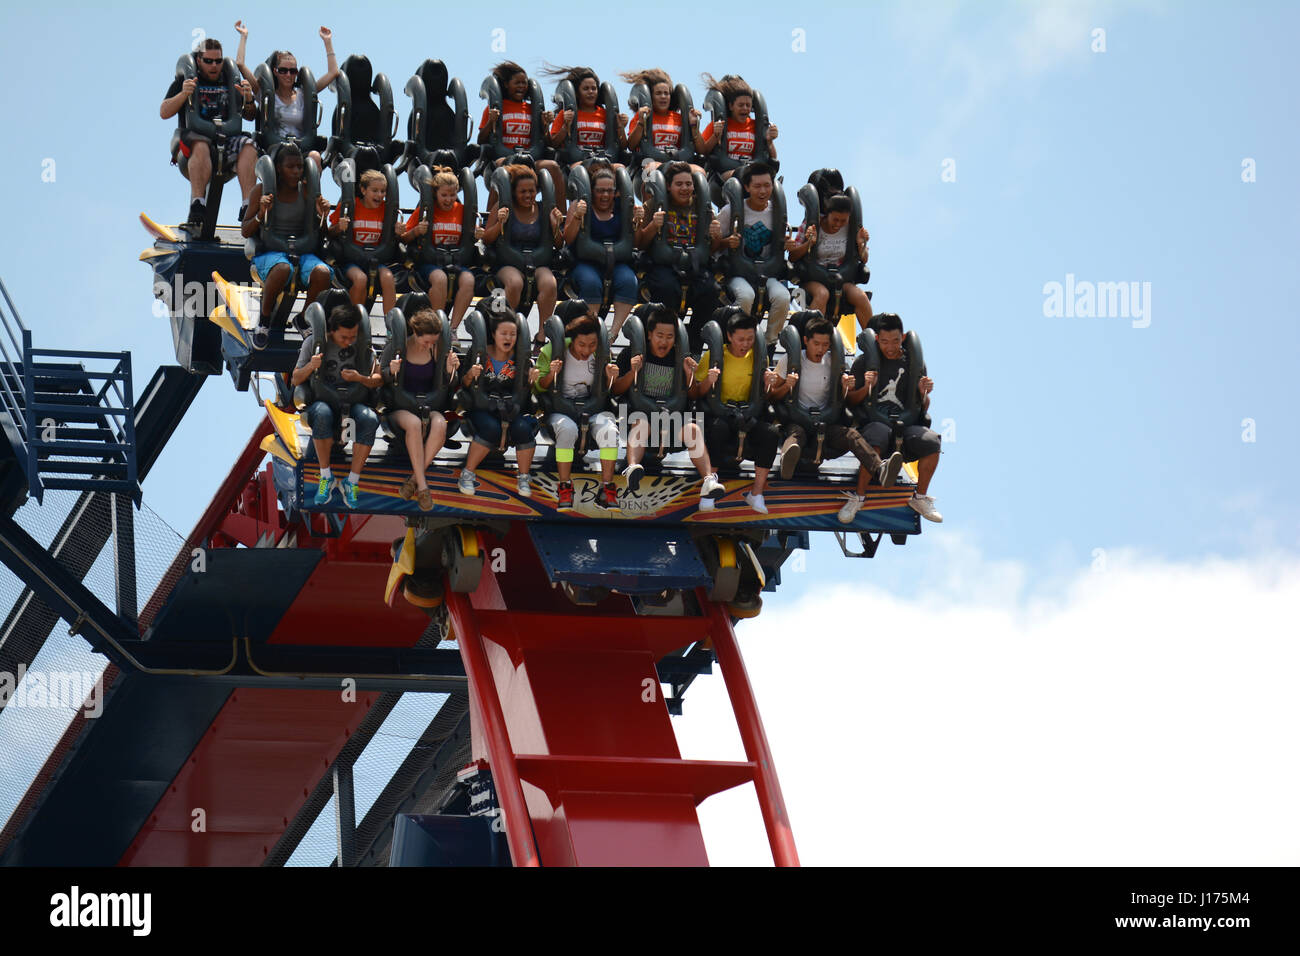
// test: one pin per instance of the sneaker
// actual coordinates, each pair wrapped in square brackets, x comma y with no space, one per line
[525,486]
[243,211]
[789,458]
[197,212]
[465,484]
[349,492]
[323,490]
[633,475]
[756,502]
[924,506]
[301,324]
[261,337]
[852,505]
[888,470]
[706,504]
[537,346]
[564,496]
[712,488]
[608,497]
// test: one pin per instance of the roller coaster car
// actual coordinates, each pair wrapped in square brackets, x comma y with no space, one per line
[494,148]
[266,241]
[719,161]
[579,410]
[743,414]
[812,420]
[268,135]
[360,129]
[736,262]
[635,396]
[475,397]
[423,250]
[502,253]
[343,251]
[190,125]
[604,255]
[394,395]
[571,151]
[316,388]
[913,412]
[822,183]
[682,104]
[437,133]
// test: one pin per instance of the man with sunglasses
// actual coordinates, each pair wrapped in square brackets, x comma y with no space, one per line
[212,100]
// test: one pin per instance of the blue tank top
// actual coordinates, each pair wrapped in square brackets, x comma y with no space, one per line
[607,230]
[525,236]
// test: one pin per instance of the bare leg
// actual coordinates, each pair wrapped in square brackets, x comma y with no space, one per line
[410,426]
[477,452]
[324,448]
[524,457]
[199,169]
[356,285]
[861,304]
[561,184]
[694,439]
[513,282]
[621,312]
[438,289]
[464,296]
[433,444]
[546,294]
[272,286]
[818,295]
[245,166]
[760,479]
[320,281]
[924,472]
[388,289]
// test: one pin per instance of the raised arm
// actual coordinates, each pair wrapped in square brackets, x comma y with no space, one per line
[239,56]
[331,61]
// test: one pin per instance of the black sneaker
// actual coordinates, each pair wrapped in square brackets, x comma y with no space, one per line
[242,211]
[633,475]
[301,324]
[888,470]
[537,346]
[261,337]
[197,212]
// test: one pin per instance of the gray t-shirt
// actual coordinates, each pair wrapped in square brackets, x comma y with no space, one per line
[333,361]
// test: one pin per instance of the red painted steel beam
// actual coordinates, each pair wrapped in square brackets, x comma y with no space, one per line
[770,801]
[482,689]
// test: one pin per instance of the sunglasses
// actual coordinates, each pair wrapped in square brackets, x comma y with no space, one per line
[210,61]
[286,70]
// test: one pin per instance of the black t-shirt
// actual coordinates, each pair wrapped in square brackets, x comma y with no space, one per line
[659,373]
[890,392]
[211,98]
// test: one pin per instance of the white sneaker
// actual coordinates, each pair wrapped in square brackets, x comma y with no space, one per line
[706,504]
[712,488]
[852,506]
[924,506]
[525,486]
[756,502]
[465,484]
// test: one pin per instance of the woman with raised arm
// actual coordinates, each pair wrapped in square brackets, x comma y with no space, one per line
[288,102]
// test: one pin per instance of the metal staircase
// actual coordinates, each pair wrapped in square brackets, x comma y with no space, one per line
[68,415]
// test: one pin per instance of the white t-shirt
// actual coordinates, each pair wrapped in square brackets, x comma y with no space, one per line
[755,232]
[832,247]
[579,375]
[288,116]
[814,379]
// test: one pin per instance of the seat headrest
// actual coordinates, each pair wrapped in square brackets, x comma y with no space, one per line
[434,75]
[360,74]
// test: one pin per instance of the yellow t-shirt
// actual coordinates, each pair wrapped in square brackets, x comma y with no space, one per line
[737,374]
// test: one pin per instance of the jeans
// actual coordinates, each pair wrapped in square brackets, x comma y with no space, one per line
[590,282]
[322,421]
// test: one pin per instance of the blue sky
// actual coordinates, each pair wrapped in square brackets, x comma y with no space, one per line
[1071,434]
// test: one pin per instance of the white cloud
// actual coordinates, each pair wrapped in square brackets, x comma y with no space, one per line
[1146,716]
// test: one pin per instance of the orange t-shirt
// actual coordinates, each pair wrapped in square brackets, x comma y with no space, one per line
[665,130]
[741,138]
[367,224]
[516,124]
[591,127]
[445,225]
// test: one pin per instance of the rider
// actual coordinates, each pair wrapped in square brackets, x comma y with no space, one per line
[211,99]
[367,230]
[339,387]
[445,221]
[834,233]
[288,104]
[740,128]
[517,129]
[284,215]
[578,367]
[659,365]
[757,236]
[606,226]
[590,115]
